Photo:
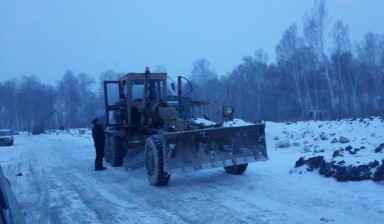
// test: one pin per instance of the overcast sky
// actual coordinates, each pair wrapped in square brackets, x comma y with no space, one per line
[47,38]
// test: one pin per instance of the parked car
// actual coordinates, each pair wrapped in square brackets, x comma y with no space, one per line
[6,137]
[10,212]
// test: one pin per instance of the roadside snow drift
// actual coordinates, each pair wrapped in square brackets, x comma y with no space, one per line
[349,149]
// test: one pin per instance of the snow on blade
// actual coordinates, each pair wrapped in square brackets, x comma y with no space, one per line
[203,121]
[236,123]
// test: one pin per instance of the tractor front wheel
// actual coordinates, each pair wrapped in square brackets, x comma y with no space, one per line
[236,169]
[154,162]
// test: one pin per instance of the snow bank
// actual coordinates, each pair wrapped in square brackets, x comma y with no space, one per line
[80,132]
[348,149]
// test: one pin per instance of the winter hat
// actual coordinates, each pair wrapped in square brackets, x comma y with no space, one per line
[95,120]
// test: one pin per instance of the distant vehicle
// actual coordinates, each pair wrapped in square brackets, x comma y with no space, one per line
[6,137]
[10,212]
[39,128]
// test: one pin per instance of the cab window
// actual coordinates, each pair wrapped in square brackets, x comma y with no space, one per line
[155,90]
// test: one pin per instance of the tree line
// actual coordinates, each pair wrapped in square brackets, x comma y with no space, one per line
[72,103]
[307,81]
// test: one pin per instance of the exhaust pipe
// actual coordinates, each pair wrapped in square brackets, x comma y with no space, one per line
[179,90]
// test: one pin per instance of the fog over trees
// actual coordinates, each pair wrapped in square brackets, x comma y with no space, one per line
[310,79]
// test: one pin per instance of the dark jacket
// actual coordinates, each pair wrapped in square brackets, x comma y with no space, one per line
[98,135]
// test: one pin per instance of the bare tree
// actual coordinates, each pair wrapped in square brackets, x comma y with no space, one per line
[314,28]
[370,54]
[342,45]
[289,53]
[201,73]
[8,104]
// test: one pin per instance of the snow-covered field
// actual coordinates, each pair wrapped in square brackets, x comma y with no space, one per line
[53,179]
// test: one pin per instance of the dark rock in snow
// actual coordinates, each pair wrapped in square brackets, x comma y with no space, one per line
[336,154]
[355,151]
[326,220]
[348,148]
[315,162]
[362,172]
[379,174]
[300,162]
[334,140]
[354,173]
[326,169]
[343,140]
[373,164]
[19,174]
[342,172]
[285,143]
[306,148]
[296,144]
[380,148]
[323,137]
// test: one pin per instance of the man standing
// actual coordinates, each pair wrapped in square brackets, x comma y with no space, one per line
[99,140]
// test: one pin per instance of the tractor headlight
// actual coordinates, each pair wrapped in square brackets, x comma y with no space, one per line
[228,111]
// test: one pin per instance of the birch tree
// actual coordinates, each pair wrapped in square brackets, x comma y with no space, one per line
[290,52]
[314,27]
[342,46]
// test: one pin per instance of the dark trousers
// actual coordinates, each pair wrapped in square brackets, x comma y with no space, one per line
[99,156]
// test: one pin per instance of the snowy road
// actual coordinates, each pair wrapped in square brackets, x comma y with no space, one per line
[58,185]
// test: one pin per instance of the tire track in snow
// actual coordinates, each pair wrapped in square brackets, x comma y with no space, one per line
[83,183]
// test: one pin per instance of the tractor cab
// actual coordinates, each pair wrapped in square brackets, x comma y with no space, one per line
[135,98]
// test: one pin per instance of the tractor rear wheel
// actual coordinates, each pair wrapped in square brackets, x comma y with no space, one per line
[106,148]
[236,169]
[154,162]
[115,150]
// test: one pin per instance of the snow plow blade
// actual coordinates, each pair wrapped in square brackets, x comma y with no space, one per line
[211,148]
[134,159]
[206,148]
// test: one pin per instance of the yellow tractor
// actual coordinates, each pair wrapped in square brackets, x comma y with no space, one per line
[146,127]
